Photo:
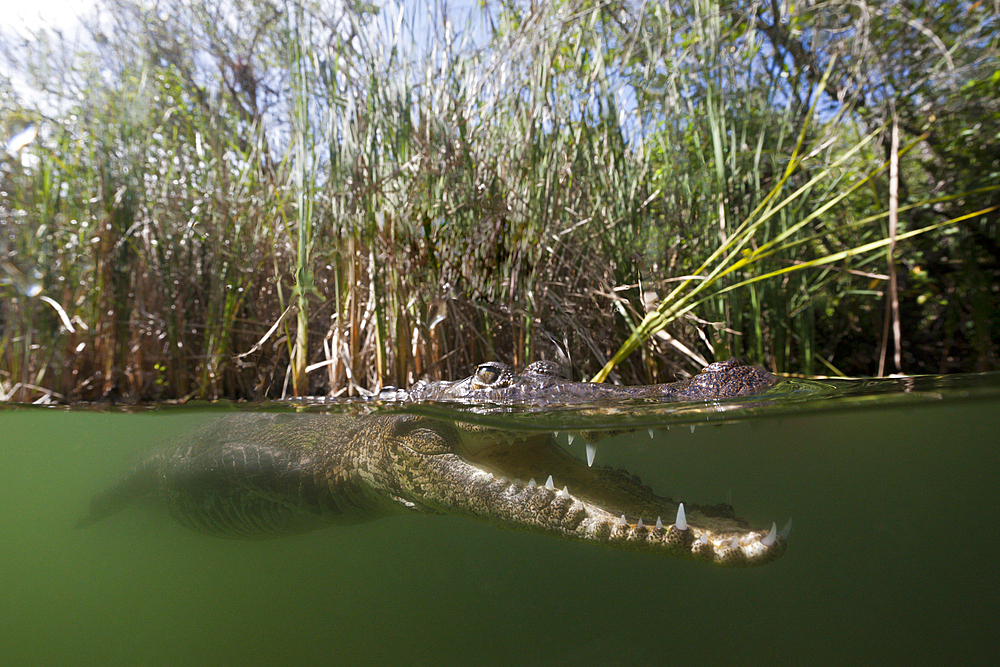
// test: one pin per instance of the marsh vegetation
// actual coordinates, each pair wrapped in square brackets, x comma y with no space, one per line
[255,198]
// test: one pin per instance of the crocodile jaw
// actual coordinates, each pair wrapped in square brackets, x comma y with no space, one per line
[482,477]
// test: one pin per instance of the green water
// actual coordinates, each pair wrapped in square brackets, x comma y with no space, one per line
[893,557]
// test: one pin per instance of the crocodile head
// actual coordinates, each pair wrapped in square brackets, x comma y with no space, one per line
[528,482]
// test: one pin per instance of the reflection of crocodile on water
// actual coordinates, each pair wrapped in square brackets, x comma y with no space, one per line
[258,475]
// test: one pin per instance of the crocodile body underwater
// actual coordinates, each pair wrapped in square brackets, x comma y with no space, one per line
[262,475]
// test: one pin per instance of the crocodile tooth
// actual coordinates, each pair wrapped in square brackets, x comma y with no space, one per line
[681,522]
[549,485]
[569,438]
[622,521]
[701,539]
[768,539]
[532,483]
[735,544]
[786,529]
[650,432]
[659,523]
[503,480]
[555,433]
[564,493]
[692,428]
[517,481]
[591,453]
[639,524]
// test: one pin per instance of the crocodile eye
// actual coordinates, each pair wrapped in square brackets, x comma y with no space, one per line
[487,374]
[492,374]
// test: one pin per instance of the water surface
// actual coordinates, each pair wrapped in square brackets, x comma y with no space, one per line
[892,557]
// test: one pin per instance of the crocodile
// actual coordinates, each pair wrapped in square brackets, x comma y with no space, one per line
[260,475]
[543,384]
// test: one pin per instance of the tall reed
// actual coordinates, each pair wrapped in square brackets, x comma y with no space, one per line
[323,201]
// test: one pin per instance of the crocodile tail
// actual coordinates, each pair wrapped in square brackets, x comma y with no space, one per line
[136,484]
